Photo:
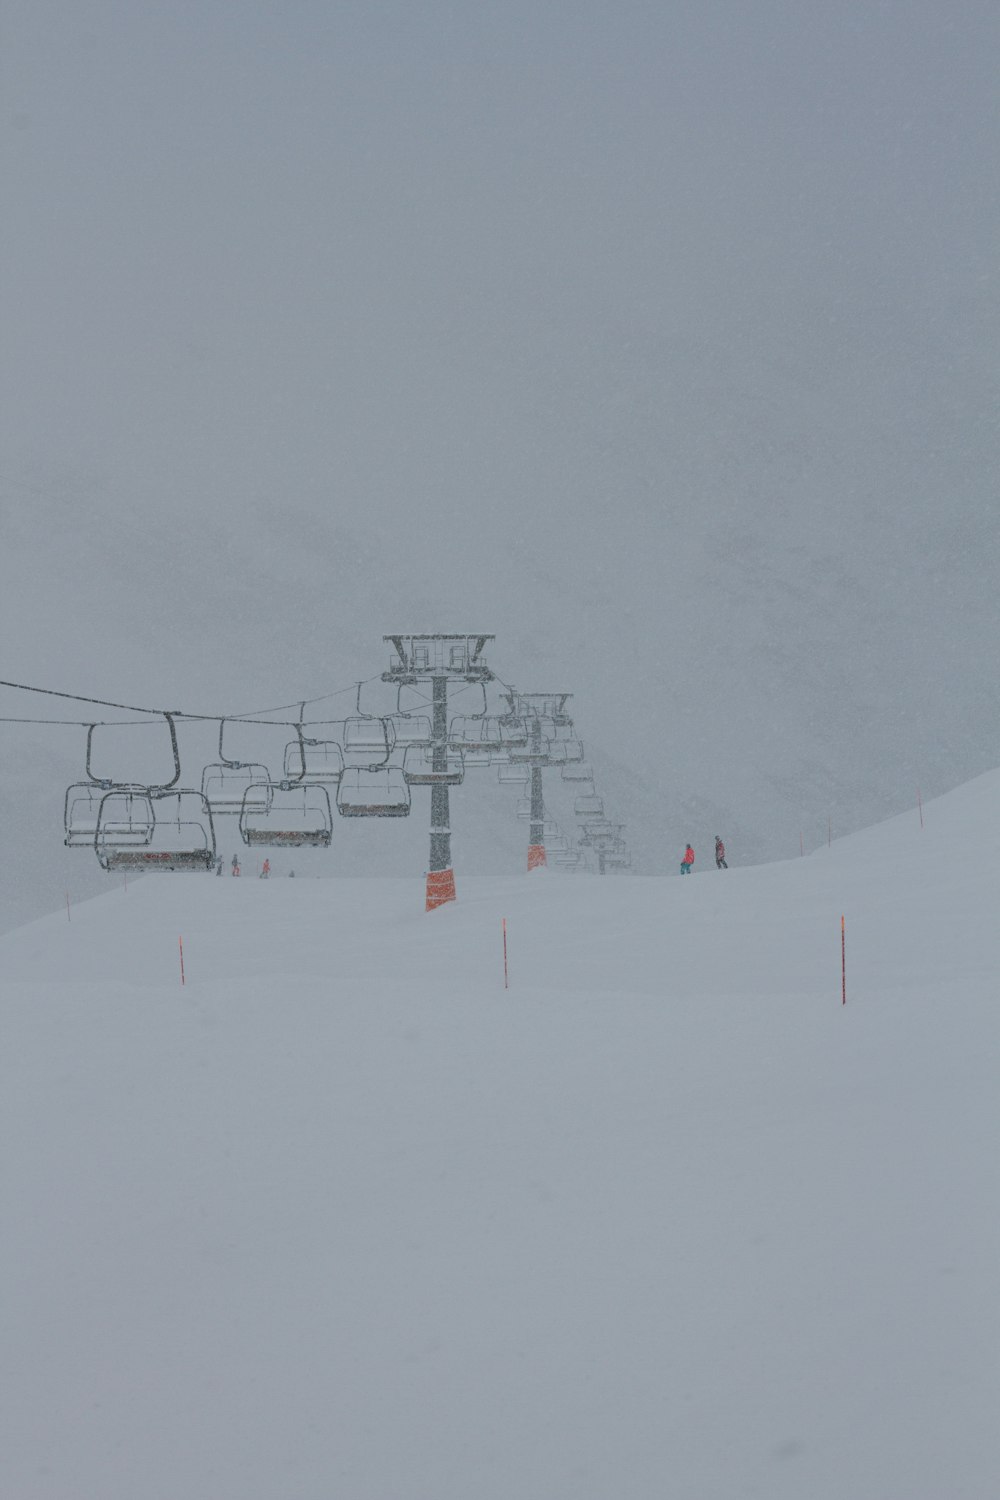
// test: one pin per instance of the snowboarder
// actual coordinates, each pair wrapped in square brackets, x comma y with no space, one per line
[236,864]
[265,869]
[687,861]
[218,866]
[720,854]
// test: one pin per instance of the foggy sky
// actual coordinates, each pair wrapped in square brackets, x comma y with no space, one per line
[659,339]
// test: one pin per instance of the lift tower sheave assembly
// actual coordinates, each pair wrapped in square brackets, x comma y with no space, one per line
[438,660]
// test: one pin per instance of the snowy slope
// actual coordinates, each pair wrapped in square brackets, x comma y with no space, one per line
[342,1217]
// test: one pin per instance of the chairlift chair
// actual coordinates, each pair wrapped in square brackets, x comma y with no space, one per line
[596,833]
[529,755]
[419,768]
[475,732]
[368,740]
[380,792]
[314,762]
[125,819]
[226,784]
[524,807]
[227,787]
[295,816]
[410,729]
[82,805]
[513,731]
[155,830]
[513,775]
[80,813]
[580,770]
[588,805]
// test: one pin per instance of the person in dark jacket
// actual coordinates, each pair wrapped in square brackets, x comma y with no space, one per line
[720,854]
[687,861]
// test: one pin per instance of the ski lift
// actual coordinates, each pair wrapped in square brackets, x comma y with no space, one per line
[82,804]
[419,768]
[513,775]
[410,729]
[374,792]
[227,784]
[368,740]
[598,832]
[588,805]
[513,731]
[476,731]
[579,770]
[125,820]
[80,814]
[155,829]
[294,816]
[313,762]
[528,754]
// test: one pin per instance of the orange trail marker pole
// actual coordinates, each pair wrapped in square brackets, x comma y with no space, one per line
[920,807]
[180,944]
[505,984]
[843,965]
[68,917]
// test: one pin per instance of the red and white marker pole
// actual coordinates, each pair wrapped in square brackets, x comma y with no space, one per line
[505,984]
[843,964]
[180,944]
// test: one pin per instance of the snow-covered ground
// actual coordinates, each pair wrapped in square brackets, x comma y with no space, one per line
[344,1218]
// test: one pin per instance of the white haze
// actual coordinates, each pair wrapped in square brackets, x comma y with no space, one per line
[658,340]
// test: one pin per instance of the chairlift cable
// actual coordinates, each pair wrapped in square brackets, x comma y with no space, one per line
[155,714]
[86,723]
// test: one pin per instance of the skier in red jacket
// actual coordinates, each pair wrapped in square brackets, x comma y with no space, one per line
[687,861]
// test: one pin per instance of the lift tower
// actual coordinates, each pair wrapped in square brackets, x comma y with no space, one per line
[545,717]
[438,660]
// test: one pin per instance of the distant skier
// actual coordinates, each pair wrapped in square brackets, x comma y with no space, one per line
[720,854]
[291,874]
[265,870]
[236,864]
[218,866]
[687,861]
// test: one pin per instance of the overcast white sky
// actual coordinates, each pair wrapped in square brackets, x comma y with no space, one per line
[658,339]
